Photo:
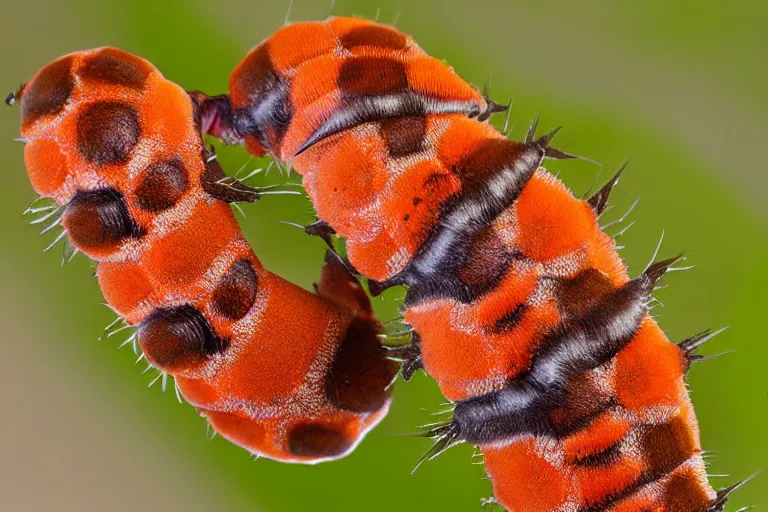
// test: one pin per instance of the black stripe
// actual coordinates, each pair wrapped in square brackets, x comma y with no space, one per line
[580,345]
[665,447]
[601,459]
[269,110]
[268,117]
[510,320]
[629,491]
[434,270]
[357,110]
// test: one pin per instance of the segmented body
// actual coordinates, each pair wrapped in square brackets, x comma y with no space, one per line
[522,309]
[286,374]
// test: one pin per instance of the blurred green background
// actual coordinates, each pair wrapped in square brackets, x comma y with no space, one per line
[677,86]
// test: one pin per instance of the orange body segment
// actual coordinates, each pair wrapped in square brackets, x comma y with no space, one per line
[272,367]
[521,308]
[524,480]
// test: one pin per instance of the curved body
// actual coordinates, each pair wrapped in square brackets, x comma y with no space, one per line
[520,305]
[282,372]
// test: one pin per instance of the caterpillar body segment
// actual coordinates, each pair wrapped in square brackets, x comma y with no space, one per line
[523,311]
[311,80]
[284,373]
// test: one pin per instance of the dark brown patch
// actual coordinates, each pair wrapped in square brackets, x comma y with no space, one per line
[115,67]
[254,76]
[684,493]
[98,219]
[584,401]
[607,457]
[49,91]
[236,292]
[666,446]
[489,157]
[577,295]
[107,132]
[382,37]
[359,376]
[488,257]
[317,440]
[510,320]
[261,98]
[372,75]
[162,184]
[404,135]
[178,337]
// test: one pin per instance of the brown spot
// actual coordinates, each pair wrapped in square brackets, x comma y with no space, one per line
[684,493]
[666,446]
[115,67]
[583,402]
[107,132]
[383,37]
[579,294]
[434,182]
[372,75]
[607,457]
[236,292]
[316,440]
[489,157]
[178,337]
[488,257]
[404,135]
[97,219]
[162,184]
[48,92]
[360,374]
[510,320]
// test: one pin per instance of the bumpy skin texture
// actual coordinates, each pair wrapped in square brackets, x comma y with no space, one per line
[518,298]
[284,373]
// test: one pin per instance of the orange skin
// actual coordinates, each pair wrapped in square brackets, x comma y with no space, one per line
[314,58]
[381,184]
[265,385]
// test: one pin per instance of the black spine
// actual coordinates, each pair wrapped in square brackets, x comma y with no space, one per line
[581,345]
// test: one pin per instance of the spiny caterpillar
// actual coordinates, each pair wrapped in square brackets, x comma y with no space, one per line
[284,373]
[520,307]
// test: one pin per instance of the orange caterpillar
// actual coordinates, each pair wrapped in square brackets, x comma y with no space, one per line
[520,306]
[284,373]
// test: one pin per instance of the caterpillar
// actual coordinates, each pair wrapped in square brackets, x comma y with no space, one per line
[520,307]
[119,149]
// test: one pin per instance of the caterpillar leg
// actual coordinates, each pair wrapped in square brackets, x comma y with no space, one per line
[230,190]
[323,230]
[409,354]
